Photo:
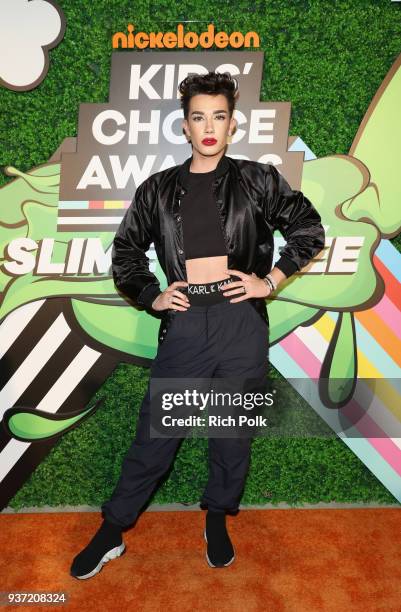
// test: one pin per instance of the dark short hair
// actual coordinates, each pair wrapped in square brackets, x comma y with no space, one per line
[213,83]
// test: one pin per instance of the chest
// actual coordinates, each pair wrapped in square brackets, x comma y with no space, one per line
[228,204]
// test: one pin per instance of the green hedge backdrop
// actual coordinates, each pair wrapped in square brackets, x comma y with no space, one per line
[327,58]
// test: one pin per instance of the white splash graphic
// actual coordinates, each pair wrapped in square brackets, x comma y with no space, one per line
[28,29]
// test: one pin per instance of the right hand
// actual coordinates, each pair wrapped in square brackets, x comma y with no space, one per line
[172,298]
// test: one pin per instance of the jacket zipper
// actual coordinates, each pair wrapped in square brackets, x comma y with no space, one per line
[182,239]
[221,224]
[167,319]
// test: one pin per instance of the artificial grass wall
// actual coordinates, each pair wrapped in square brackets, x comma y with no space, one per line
[328,58]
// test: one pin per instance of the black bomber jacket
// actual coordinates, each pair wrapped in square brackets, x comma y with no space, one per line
[253,199]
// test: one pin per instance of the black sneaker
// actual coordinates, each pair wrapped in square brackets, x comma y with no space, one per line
[220,551]
[106,544]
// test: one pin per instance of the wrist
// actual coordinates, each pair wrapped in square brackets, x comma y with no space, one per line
[155,300]
[267,285]
[149,294]
[270,282]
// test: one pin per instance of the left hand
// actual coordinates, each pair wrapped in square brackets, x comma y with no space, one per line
[254,285]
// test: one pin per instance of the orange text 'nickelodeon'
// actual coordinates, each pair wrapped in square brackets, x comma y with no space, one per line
[181,39]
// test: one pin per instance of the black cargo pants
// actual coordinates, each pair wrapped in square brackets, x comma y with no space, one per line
[217,340]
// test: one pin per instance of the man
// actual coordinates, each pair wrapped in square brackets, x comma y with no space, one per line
[211,220]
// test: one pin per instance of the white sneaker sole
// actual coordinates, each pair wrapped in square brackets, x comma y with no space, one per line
[111,554]
[208,560]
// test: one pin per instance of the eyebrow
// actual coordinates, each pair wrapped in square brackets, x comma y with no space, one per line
[202,113]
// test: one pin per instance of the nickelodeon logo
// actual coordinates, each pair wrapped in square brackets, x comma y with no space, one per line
[179,39]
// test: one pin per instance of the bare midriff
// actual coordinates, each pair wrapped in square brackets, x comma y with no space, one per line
[206,269]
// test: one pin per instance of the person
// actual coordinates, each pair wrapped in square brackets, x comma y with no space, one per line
[211,220]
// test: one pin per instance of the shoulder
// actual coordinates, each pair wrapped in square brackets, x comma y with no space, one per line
[255,174]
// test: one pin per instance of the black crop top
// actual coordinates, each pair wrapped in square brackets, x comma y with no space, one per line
[203,236]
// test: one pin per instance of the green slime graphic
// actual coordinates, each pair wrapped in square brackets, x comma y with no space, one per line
[31,426]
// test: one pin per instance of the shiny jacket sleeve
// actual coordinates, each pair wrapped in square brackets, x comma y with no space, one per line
[130,265]
[297,219]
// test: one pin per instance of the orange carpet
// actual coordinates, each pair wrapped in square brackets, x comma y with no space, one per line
[286,559]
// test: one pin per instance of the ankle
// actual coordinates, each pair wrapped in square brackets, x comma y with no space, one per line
[211,514]
[216,522]
[111,527]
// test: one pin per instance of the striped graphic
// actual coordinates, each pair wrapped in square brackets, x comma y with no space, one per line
[43,364]
[300,355]
[91,215]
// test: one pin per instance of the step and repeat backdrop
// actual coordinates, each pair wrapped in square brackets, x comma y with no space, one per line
[89,109]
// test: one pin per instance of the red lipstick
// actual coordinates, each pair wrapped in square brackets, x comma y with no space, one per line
[209,141]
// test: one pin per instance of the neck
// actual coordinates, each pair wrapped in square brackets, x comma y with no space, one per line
[205,163]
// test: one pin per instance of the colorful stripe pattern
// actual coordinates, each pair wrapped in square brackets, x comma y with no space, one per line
[91,215]
[375,436]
